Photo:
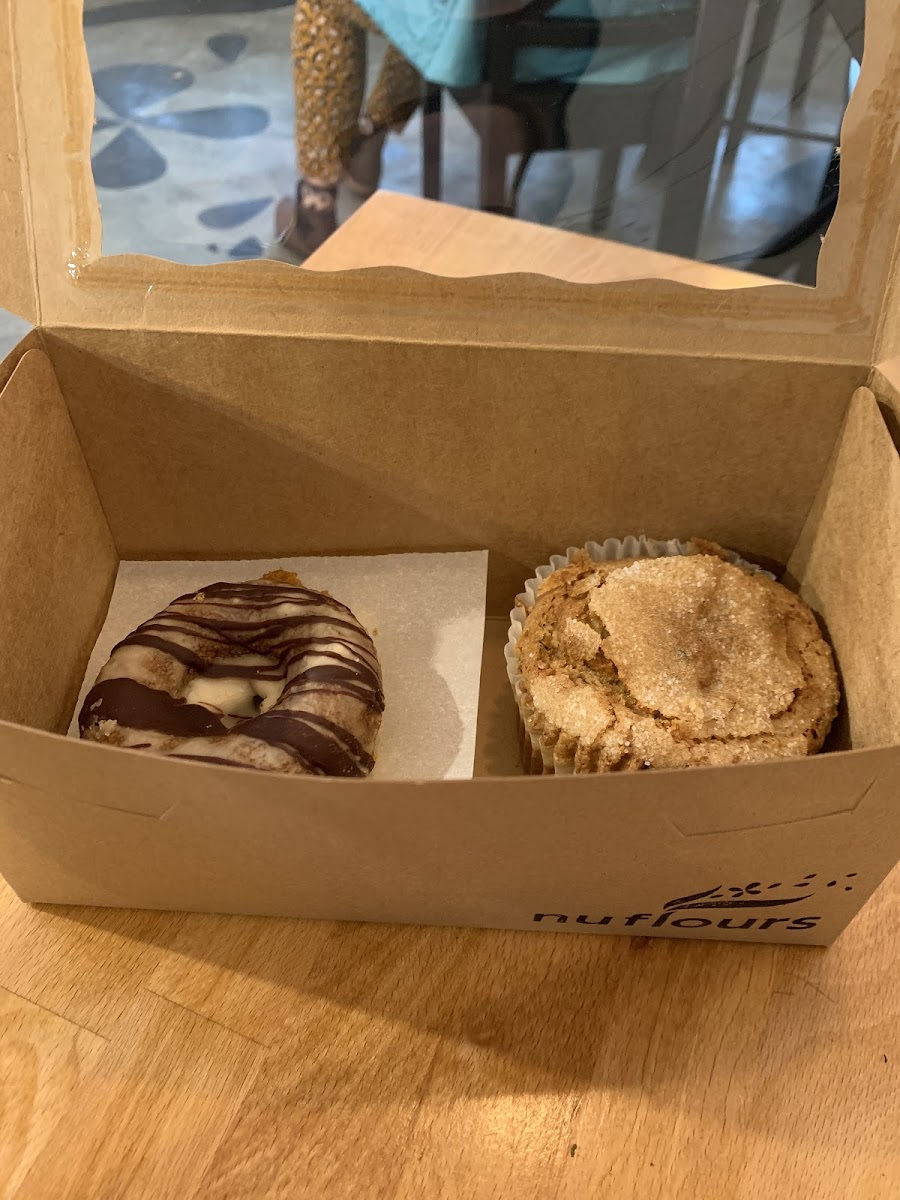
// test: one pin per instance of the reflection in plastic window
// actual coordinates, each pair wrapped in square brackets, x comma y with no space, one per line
[241,129]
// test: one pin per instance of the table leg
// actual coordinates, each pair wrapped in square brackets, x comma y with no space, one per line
[710,76]
[763,30]
[850,18]
[812,37]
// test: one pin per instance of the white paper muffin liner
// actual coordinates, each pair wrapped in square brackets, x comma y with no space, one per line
[542,760]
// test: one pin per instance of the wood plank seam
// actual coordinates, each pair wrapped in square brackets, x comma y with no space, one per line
[53,1013]
[203,1017]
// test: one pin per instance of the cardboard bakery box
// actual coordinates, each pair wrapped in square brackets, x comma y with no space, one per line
[163,412]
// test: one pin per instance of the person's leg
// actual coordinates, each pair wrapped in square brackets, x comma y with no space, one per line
[329,54]
[395,96]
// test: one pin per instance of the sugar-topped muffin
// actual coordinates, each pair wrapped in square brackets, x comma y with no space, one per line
[680,661]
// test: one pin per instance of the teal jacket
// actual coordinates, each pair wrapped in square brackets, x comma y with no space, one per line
[444,39]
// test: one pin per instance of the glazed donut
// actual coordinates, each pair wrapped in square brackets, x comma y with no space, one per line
[265,674]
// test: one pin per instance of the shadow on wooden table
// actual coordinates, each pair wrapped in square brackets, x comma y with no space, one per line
[547,1012]
[250,1057]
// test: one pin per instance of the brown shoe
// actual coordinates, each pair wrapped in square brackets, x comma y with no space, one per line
[363,174]
[304,224]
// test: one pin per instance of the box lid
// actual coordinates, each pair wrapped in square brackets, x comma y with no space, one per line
[18,281]
[53,273]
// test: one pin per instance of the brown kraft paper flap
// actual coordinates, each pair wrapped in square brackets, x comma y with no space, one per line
[94,825]
[57,559]
[848,568]
[18,282]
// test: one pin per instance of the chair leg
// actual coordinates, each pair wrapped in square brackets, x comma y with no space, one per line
[698,129]
[607,178]
[492,196]
[495,149]
[519,178]
[658,148]
[812,37]
[761,39]
[432,141]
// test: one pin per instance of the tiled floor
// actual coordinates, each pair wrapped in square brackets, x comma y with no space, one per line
[194,135]
[194,139]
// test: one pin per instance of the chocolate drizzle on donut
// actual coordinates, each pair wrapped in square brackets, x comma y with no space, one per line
[137,706]
[181,683]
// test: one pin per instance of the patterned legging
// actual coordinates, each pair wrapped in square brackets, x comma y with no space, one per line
[329,51]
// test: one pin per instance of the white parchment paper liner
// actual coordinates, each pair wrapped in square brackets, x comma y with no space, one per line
[424,611]
[538,759]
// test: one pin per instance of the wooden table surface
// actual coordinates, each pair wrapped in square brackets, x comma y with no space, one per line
[403,231]
[152,1055]
[179,1057]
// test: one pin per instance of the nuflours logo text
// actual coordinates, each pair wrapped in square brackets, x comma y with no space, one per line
[750,906]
